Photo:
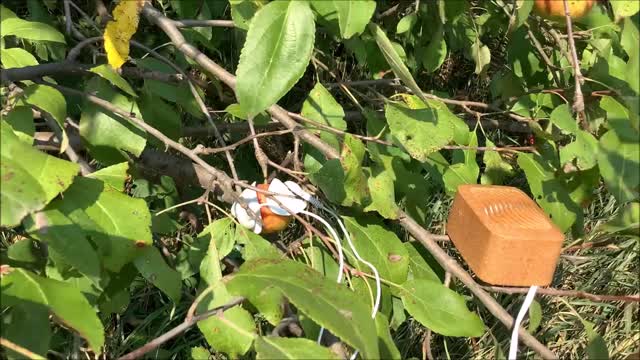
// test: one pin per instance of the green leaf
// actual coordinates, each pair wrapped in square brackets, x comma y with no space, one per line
[329,304]
[597,347]
[406,23]
[154,268]
[618,119]
[421,132]
[27,324]
[242,11]
[465,170]
[630,38]
[255,246]
[524,8]
[381,188]
[549,192]
[394,60]
[535,316]
[234,332]
[62,299]
[106,133]
[290,348]
[222,232]
[321,107]
[275,55]
[114,175]
[20,119]
[625,8]
[30,30]
[186,9]
[388,349]
[353,16]
[51,101]
[16,58]
[54,228]
[30,178]
[619,163]
[321,260]
[481,55]
[380,247]
[418,266]
[179,94]
[460,174]
[355,182]
[584,149]
[118,224]
[627,220]
[496,169]
[5,14]
[562,118]
[106,72]
[436,51]
[440,309]
[343,181]
[161,116]
[199,353]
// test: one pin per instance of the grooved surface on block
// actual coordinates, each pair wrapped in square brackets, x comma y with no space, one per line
[504,236]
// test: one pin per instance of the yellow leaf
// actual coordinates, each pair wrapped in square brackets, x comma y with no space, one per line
[120,30]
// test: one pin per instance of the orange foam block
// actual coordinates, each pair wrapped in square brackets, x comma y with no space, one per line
[504,237]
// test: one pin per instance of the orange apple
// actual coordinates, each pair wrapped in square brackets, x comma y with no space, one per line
[554,9]
[271,222]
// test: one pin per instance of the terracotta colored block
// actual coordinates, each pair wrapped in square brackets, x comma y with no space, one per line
[504,237]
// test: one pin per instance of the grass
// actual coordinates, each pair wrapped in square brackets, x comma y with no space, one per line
[611,270]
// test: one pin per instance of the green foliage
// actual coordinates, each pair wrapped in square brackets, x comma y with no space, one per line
[282,348]
[62,299]
[276,53]
[313,295]
[30,179]
[125,250]
[439,308]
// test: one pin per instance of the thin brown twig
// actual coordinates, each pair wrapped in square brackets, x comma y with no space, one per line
[261,157]
[209,151]
[220,177]
[552,68]
[155,343]
[376,139]
[452,266]
[578,98]
[209,65]
[406,221]
[77,49]
[565,293]
[461,103]
[189,23]
[19,349]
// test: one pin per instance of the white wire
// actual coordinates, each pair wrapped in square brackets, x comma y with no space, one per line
[513,347]
[335,237]
[317,203]
[376,303]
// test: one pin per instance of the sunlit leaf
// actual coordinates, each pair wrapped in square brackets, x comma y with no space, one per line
[276,53]
[30,178]
[380,247]
[331,305]
[271,347]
